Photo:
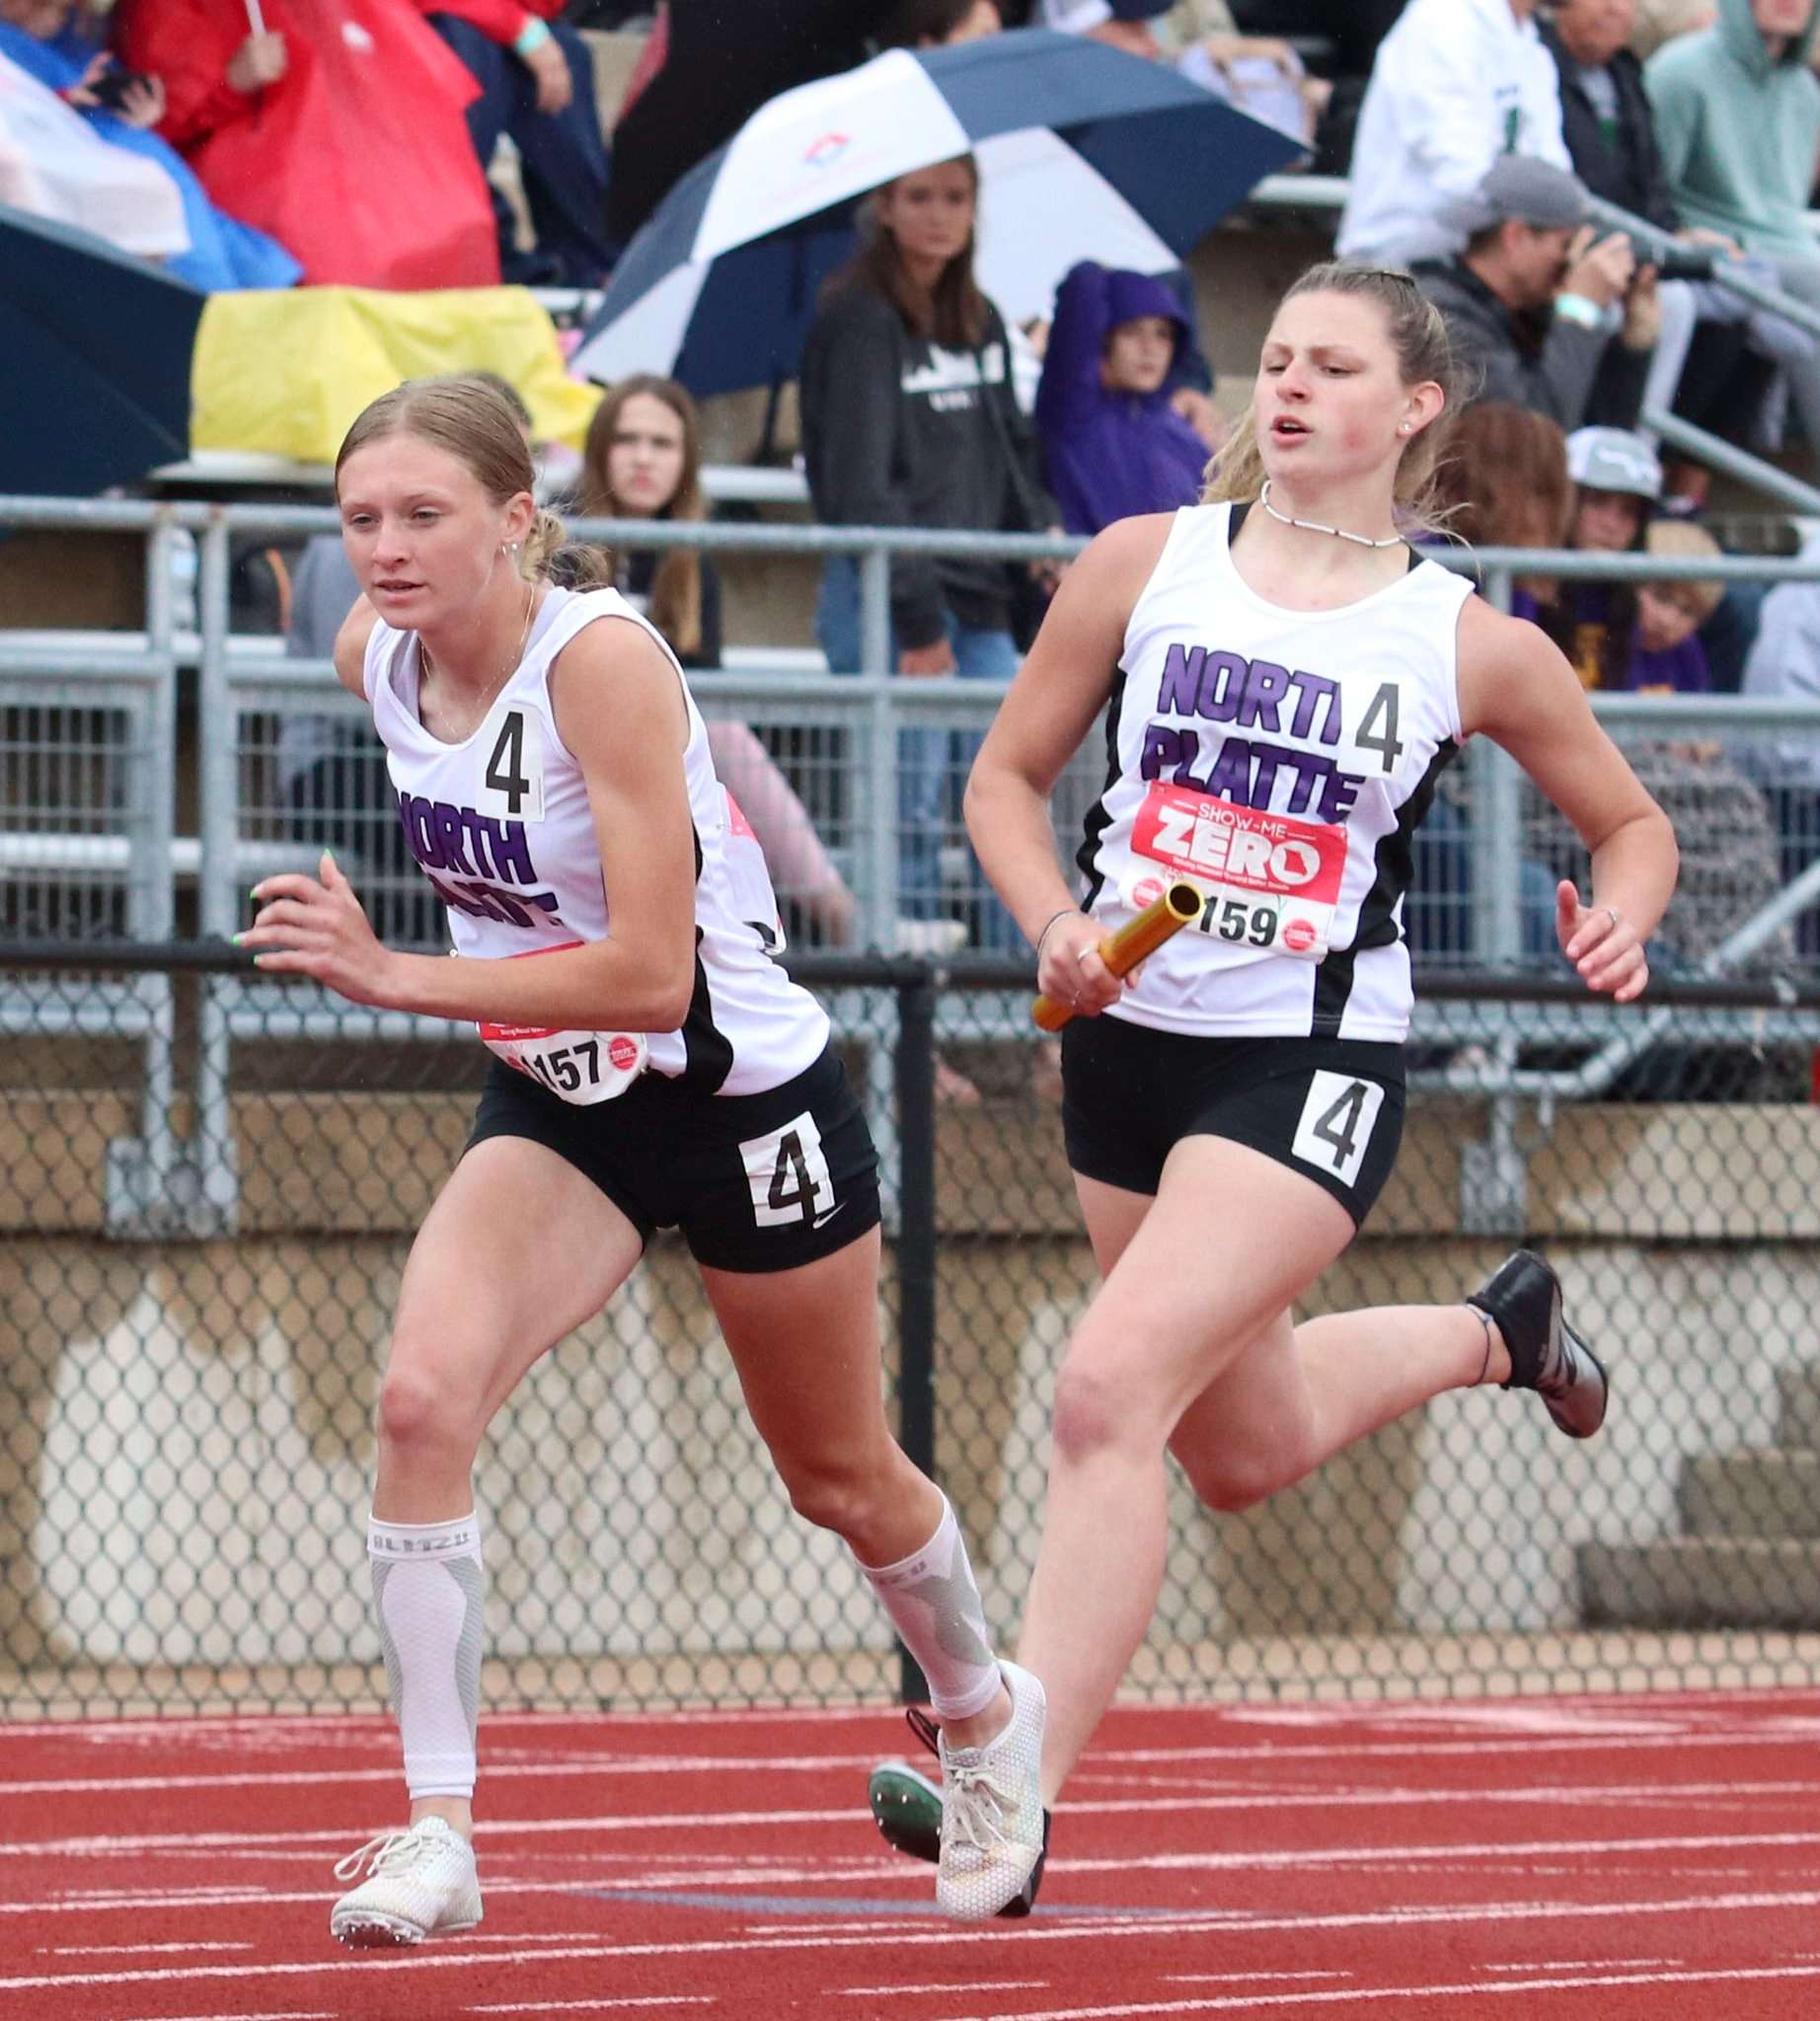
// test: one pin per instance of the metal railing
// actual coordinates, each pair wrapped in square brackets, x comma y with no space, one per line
[188,1179]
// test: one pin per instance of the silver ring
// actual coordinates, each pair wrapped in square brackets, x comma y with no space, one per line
[1610,913]
[1085,953]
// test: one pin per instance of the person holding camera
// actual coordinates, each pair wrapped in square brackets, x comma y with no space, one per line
[1543,311]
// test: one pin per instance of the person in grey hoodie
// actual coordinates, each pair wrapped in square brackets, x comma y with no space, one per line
[1737,119]
[909,419]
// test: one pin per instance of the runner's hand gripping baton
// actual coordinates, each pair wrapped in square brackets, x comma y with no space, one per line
[1180,905]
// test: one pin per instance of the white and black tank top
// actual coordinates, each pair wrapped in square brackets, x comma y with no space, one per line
[1279,760]
[501,825]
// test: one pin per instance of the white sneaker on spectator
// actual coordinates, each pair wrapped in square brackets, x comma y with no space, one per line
[419,1880]
[995,1832]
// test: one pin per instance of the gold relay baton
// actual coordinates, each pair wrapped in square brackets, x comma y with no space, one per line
[1178,907]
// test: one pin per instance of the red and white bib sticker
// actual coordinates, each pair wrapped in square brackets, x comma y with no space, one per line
[1272,880]
[581,1067]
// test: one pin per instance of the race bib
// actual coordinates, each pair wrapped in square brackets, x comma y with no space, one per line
[582,1067]
[1272,880]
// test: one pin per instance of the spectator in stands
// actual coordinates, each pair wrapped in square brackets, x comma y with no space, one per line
[1609,133]
[536,82]
[49,40]
[1346,36]
[1260,74]
[643,461]
[909,419]
[52,164]
[1112,442]
[1737,112]
[1617,481]
[1606,121]
[344,139]
[1731,860]
[1785,666]
[1664,654]
[937,23]
[1501,483]
[1457,83]
[1535,302]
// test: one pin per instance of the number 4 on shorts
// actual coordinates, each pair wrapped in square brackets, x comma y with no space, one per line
[1337,1120]
[789,1174]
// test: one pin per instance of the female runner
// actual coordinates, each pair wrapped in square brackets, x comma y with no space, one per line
[1285,679]
[652,1067]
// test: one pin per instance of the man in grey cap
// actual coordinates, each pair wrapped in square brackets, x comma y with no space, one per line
[1538,308]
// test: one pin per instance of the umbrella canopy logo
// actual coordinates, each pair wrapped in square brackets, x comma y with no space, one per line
[825,152]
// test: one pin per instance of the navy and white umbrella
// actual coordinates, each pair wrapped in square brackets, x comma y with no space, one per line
[1083,152]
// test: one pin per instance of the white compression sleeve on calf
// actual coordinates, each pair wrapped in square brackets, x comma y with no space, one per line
[935,1607]
[427,1592]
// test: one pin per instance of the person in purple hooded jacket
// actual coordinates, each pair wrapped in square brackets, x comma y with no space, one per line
[1114,442]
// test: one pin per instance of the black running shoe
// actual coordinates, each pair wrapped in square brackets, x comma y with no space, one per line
[1523,1297]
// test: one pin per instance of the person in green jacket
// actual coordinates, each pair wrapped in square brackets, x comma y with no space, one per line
[1737,119]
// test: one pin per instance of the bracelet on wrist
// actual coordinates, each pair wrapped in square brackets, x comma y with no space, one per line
[1049,921]
[1578,309]
[531,38]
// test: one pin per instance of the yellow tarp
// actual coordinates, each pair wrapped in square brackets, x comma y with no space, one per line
[285,371]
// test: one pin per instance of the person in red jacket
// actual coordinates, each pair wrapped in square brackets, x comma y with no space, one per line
[536,83]
[339,129]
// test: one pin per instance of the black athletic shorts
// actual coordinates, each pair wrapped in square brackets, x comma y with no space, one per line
[756,1182]
[1327,1107]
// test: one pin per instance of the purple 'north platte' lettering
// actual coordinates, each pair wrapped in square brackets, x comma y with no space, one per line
[1247,773]
[1226,687]
[440,836]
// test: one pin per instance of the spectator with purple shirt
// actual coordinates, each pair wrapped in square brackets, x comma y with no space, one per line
[1114,442]
[1664,653]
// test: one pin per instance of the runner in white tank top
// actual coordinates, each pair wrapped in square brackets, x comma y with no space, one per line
[502,824]
[1277,705]
[1279,758]
[652,1067]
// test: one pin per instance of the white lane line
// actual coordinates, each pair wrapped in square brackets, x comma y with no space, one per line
[142,1950]
[1252,1978]
[1604,1964]
[935,1986]
[652,2002]
[466,1956]
[1250,2002]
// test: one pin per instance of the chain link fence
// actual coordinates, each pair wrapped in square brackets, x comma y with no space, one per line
[195,1299]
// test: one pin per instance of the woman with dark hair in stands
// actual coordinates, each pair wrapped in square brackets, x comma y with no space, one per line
[909,419]
[642,460]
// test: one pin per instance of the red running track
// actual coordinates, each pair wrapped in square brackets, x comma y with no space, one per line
[1605,1859]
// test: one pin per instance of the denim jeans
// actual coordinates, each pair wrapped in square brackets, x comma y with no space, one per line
[932,763]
